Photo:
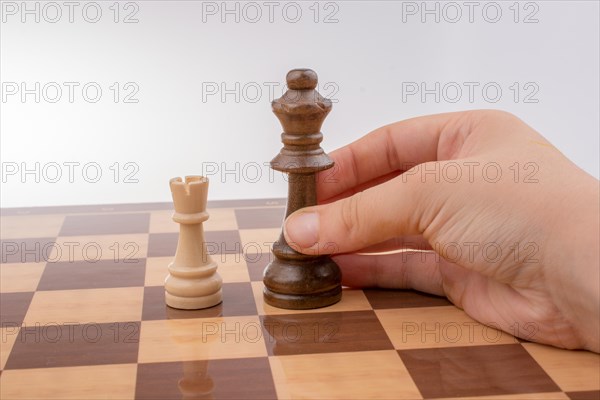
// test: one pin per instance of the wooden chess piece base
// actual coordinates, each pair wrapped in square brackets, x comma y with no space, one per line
[193,288]
[302,286]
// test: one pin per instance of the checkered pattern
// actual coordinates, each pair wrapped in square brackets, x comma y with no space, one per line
[83,315]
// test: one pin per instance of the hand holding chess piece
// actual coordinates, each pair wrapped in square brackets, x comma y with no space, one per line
[193,281]
[543,227]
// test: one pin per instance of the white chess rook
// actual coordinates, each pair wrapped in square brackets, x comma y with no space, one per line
[193,281]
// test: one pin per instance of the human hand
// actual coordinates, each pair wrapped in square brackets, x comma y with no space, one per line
[509,225]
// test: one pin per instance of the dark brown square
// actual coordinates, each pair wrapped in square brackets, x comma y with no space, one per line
[476,371]
[258,218]
[246,378]
[382,299]
[104,224]
[62,345]
[327,332]
[238,300]
[27,250]
[223,242]
[217,242]
[93,275]
[162,244]
[587,395]
[257,262]
[13,307]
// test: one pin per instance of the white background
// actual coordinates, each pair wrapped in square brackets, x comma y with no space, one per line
[366,54]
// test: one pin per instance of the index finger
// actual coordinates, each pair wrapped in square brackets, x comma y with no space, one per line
[387,150]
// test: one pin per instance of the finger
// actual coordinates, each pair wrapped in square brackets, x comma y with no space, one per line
[361,187]
[394,209]
[407,270]
[391,148]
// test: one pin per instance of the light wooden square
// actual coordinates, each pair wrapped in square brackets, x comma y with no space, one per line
[9,336]
[85,306]
[87,382]
[431,327]
[221,219]
[162,222]
[571,370]
[31,226]
[254,240]
[361,375]
[201,339]
[20,277]
[157,270]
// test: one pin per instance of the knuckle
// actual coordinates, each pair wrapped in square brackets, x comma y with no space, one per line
[489,113]
[351,217]
[492,115]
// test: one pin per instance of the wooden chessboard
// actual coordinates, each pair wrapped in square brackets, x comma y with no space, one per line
[83,316]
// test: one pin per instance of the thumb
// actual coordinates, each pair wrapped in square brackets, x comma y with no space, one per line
[394,208]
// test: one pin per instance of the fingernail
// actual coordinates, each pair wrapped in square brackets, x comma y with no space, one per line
[302,229]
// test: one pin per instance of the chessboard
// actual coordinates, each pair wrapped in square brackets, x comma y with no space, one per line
[83,316]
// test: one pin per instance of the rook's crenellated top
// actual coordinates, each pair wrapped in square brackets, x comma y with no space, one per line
[189,198]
